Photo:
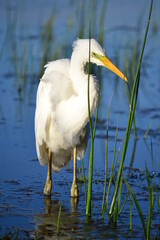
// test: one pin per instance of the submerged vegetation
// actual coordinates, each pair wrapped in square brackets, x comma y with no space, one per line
[28,62]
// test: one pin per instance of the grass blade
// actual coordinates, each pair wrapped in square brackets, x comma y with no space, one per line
[123,204]
[111,173]
[130,212]
[158,201]
[133,102]
[106,162]
[85,189]
[155,186]
[58,223]
[150,211]
[151,199]
[138,208]
[90,173]
[118,202]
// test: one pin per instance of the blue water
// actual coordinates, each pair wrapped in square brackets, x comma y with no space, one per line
[21,51]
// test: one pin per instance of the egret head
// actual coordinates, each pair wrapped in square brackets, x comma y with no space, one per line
[97,55]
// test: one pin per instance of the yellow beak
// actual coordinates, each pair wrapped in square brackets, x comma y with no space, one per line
[108,64]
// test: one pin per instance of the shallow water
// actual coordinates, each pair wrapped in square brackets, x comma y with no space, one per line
[23,206]
[22,179]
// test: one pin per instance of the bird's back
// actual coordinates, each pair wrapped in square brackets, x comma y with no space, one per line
[57,77]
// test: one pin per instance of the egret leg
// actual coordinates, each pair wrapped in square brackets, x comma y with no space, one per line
[48,185]
[74,189]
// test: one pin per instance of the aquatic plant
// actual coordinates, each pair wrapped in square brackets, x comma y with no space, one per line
[147,229]
[133,102]
[58,222]
[106,162]
[92,132]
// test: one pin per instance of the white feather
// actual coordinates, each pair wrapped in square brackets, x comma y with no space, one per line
[61,113]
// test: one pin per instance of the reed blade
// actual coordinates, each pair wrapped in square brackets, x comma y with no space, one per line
[58,223]
[90,170]
[138,208]
[133,102]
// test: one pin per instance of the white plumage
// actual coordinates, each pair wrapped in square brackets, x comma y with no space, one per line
[61,113]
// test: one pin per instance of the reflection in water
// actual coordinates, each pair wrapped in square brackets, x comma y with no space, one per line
[46,223]
[74,202]
[133,153]
[47,203]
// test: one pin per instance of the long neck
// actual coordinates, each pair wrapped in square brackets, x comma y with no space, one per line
[80,80]
[75,108]
[77,74]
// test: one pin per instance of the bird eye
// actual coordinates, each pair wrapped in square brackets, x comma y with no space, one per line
[93,54]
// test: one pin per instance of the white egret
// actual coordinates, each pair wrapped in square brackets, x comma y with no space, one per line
[61,113]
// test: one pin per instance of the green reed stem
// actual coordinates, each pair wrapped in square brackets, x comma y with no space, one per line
[138,208]
[84,179]
[92,131]
[118,201]
[133,102]
[155,185]
[130,213]
[90,174]
[58,223]
[123,204]
[106,162]
[158,201]
[151,200]
[150,210]
[111,174]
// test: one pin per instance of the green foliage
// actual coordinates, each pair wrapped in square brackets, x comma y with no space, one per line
[138,208]
[58,223]
[84,180]
[106,165]
[147,229]
[133,102]
[105,206]
[90,170]
[92,132]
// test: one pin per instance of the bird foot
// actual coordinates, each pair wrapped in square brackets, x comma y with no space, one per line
[74,190]
[48,187]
